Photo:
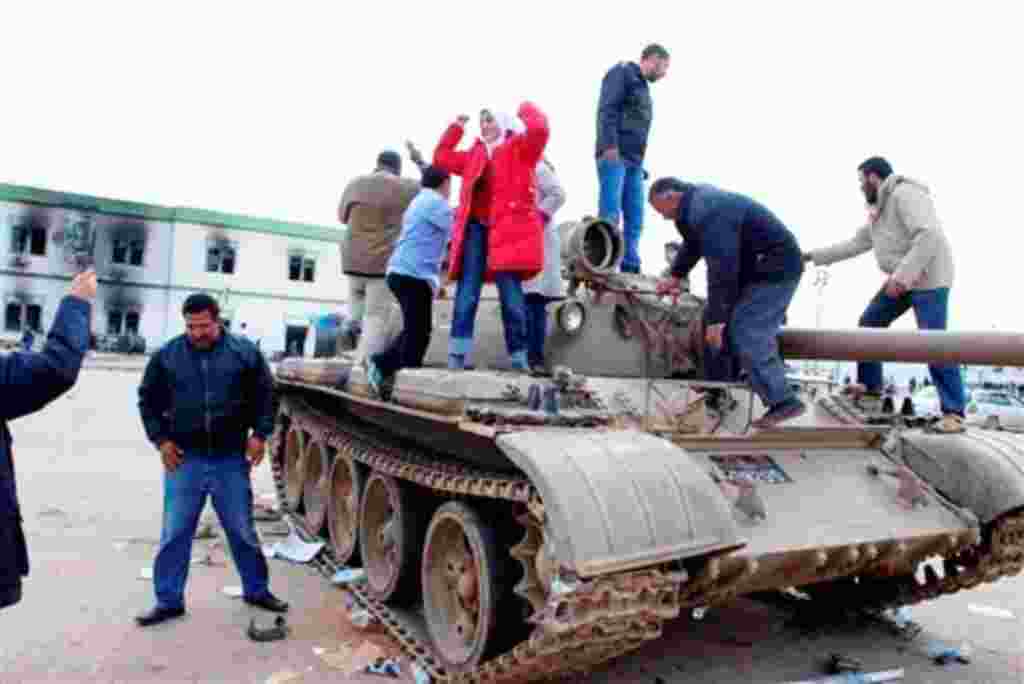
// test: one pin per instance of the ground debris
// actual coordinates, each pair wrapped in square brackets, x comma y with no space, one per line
[284,677]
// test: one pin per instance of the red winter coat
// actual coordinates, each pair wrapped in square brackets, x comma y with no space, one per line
[515,241]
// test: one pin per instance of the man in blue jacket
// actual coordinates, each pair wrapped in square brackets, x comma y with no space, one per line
[200,396]
[624,115]
[754,267]
[30,381]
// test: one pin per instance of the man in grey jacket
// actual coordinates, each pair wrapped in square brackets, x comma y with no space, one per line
[913,252]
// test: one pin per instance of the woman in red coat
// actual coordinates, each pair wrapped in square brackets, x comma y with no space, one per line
[498,235]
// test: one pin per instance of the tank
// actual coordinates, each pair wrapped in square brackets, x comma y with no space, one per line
[516,528]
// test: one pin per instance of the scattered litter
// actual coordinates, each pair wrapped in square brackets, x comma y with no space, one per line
[283,677]
[899,622]
[990,611]
[944,655]
[276,633]
[420,675]
[384,666]
[367,653]
[207,560]
[279,529]
[294,549]
[349,576]
[232,591]
[52,513]
[206,531]
[146,573]
[699,613]
[339,659]
[838,663]
[317,651]
[349,600]
[855,678]
[362,619]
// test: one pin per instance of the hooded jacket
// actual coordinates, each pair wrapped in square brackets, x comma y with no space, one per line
[507,203]
[372,207]
[906,235]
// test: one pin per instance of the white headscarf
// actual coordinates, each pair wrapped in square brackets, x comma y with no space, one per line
[506,123]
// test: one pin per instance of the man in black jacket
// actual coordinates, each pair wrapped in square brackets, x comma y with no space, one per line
[200,396]
[754,267]
[30,381]
[624,115]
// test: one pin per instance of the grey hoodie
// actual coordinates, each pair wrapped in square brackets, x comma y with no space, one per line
[907,238]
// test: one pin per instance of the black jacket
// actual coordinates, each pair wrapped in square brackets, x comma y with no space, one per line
[624,113]
[207,401]
[742,242]
[29,381]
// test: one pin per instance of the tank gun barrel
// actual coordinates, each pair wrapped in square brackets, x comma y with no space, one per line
[908,346]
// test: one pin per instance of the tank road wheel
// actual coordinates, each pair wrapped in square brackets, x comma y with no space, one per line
[315,485]
[346,486]
[294,459]
[460,587]
[389,539]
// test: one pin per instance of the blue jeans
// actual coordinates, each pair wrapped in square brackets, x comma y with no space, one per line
[622,192]
[225,479]
[931,308]
[536,327]
[467,297]
[753,331]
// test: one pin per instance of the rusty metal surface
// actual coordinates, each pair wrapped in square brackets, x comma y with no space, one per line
[621,500]
[982,470]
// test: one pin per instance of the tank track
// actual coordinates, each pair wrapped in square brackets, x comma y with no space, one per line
[1000,554]
[577,625]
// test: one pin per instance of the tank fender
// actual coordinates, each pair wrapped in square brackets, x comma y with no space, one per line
[981,470]
[620,500]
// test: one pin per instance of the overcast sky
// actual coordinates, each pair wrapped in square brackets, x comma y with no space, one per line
[269,112]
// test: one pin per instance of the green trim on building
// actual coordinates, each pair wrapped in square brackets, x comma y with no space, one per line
[153,212]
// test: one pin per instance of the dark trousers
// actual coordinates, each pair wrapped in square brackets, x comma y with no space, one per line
[416,299]
[536,327]
[931,307]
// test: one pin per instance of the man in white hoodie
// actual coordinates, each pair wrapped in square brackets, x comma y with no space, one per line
[912,250]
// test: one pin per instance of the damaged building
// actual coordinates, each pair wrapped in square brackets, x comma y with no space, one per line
[275,277]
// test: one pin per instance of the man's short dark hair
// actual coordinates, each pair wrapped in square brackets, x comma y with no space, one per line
[433,177]
[663,185]
[876,165]
[390,160]
[654,50]
[200,302]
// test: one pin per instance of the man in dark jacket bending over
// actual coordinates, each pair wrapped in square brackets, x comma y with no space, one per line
[754,266]
[200,396]
[29,381]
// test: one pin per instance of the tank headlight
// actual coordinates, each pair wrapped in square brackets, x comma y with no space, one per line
[571,317]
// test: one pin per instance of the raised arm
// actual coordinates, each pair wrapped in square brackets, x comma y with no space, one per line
[445,155]
[535,139]
[31,380]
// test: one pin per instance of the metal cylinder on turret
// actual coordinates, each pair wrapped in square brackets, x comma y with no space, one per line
[592,245]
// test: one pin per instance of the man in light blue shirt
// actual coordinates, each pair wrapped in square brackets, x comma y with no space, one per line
[414,275]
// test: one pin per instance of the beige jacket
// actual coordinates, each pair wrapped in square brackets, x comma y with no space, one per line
[372,207]
[907,238]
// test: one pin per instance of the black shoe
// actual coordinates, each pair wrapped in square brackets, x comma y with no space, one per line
[158,615]
[269,602]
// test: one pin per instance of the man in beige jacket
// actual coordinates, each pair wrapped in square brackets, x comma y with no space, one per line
[911,248]
[372,207]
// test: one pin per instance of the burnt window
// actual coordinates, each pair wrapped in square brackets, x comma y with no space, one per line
[129,252]
[131,323]
[12,317]
[115,321]
[34,316]
[137,250]
[301,268]
[29,240]
[220,258]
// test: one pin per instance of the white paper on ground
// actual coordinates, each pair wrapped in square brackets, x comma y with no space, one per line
[233,592]
[990,611]
[294,549]
[146,573]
